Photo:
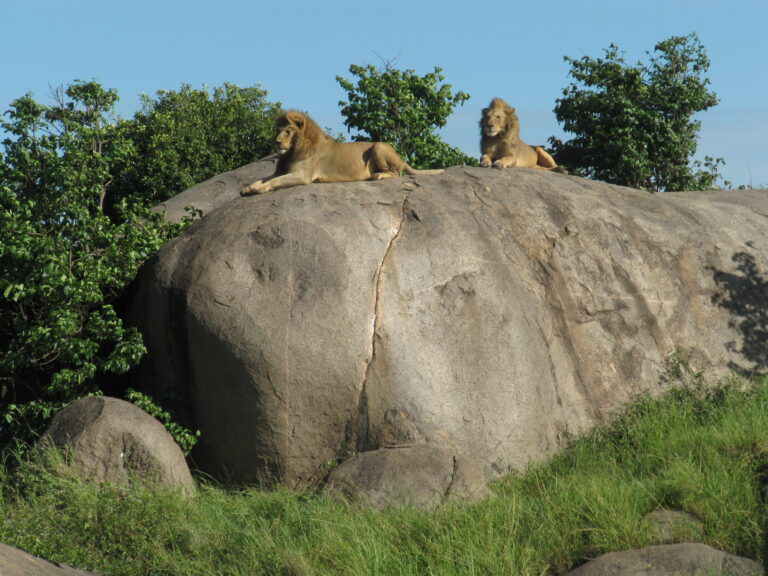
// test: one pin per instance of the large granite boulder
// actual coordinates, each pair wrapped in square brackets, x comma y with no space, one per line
[488,312]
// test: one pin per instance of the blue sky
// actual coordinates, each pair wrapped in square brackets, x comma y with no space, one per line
[295,49]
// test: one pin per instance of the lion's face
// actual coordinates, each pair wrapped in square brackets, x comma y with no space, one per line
[298,134]
[286,137]
[494,121]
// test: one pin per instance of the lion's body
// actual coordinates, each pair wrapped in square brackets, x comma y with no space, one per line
[500,143]
[310,155]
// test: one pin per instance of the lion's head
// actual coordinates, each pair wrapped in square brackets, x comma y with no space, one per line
[296,129]
[286,136]
[498,118]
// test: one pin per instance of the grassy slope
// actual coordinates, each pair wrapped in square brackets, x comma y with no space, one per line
[695,450]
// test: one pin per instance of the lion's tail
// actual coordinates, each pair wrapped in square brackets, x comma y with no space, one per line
[413,171]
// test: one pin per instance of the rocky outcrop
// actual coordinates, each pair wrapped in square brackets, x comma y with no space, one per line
[488,312]
[670,560]
[15,562]
[111,440]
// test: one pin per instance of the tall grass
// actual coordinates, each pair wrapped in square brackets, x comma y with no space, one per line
[698,449]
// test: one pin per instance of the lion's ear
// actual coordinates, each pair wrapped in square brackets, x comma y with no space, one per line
[300,123]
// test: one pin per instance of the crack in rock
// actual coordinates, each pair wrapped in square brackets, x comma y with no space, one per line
[362,406]
[454,475]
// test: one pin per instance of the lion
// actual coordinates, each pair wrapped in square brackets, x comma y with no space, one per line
[500,143]
[307,154]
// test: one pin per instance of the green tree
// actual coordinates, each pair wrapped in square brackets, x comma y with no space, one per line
[633,124]
[187,136]
[63,260]
[403,109]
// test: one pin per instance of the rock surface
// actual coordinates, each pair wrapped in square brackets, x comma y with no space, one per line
[112,440]
[420,475]
[216,191]
[15,562]
[670,560]
[488,312]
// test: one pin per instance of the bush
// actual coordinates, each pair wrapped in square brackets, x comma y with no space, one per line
[403,109]
[633,124]
[184,137]
[63,259]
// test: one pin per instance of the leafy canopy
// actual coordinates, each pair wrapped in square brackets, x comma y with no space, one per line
[633,124]
[187,136]
[63,259]
[403,109]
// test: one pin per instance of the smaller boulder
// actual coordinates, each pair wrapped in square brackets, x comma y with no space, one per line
[421,475]
[670,560]
[111,440]
[15,562]
[668,526]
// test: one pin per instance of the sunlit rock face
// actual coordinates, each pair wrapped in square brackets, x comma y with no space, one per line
[488,312]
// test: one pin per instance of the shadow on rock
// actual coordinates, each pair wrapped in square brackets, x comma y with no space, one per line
[744,293]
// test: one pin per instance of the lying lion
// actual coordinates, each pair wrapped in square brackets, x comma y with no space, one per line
[307,154]
[500,142]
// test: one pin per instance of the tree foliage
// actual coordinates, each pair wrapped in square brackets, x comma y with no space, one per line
[187,136]
[403,109]
[633,124]
[63,259]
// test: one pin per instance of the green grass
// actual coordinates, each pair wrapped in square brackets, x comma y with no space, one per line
[697,449]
